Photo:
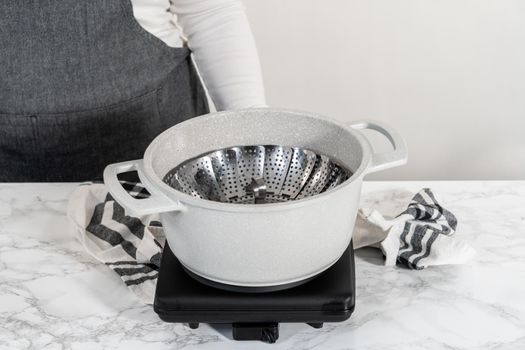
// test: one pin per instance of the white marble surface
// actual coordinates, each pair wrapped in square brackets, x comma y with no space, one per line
[54,296]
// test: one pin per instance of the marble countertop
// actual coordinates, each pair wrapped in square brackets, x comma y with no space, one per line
[55,296]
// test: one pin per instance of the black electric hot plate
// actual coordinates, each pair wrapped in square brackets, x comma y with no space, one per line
[329,297]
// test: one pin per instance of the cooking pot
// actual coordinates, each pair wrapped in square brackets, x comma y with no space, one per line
[256,245]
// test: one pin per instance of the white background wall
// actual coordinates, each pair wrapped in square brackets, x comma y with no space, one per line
[448,74]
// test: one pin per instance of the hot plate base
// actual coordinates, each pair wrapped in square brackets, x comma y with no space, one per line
[329,297]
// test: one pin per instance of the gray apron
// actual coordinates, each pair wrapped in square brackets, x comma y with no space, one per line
[82,85]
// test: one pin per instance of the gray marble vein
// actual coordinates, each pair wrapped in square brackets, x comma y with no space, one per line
[54,296]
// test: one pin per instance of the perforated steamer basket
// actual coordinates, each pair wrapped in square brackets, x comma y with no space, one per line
[257,175]
[260,234]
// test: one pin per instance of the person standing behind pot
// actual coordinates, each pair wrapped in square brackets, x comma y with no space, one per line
[88,83]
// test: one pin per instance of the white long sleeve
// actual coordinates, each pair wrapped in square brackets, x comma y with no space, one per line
[218,33]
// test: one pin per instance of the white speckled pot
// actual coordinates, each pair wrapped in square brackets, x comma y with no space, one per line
[256,245]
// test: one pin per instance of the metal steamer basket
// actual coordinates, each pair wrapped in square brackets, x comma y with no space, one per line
[257,175]
[257,198]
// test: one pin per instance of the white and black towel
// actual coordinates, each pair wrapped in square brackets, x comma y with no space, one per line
[132,246]
[420,236]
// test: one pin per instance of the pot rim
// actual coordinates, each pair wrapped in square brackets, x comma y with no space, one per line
[147,171]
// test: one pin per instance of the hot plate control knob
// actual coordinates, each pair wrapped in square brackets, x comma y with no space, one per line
[267,332]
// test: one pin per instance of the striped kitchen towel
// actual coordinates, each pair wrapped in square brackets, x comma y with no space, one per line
[130,246]
[420,236]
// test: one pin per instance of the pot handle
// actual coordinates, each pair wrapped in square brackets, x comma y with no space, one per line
[156,203]
[386,160]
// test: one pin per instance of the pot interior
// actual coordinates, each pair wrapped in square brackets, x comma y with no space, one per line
[269,131]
